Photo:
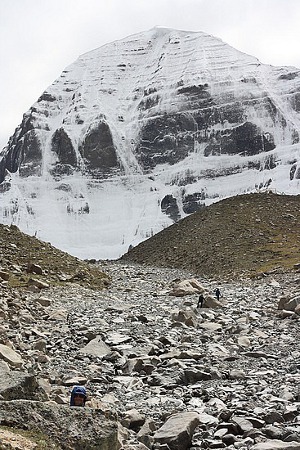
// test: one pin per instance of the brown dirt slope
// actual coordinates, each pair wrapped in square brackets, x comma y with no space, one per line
[240,236]
[18,252]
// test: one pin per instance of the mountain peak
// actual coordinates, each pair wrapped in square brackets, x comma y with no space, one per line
[144,131]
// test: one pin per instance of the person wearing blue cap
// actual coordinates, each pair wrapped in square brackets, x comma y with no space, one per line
[78,396]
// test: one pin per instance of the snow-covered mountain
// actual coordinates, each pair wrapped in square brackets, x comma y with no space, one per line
[146,130]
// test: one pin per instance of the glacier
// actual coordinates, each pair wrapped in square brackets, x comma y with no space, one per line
[142,132]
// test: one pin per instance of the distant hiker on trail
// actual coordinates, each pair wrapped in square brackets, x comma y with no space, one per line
[218,293]
[200,301]
[78,396]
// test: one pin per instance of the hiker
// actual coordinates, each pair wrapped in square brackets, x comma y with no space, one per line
[78,396]
[218,293]
[200,301]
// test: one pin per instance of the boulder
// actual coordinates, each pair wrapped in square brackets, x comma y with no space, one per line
[243,424]
[273,416]
[77,380]
[44,301]
[96,347]
[18,385]
[71,427]
[146,432]
[194,375]
[195,284]
[178,430]
[211,302]
[10,356]
[139,446]
[297,310]
[133,420]
[34,268]
[289,304]
[40,344]
[292,304]
[188,317]
[210,326]
[236,374]
[186,287]
[244,341]
[114,338]
[58,315]
[37,283]
[133,365]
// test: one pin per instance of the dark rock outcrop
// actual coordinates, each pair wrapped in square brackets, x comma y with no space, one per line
[98,151]
[66,156]
[167,138]
[170,207]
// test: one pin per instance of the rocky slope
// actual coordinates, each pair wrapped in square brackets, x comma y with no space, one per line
[241,236]
[161,374]
[166,374]
[26,261]
[146,130]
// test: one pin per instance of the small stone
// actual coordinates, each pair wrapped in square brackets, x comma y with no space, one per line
[44,301]
[4,275]
[75,381]
[229,439]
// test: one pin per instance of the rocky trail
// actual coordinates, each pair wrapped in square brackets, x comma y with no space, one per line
[160,373]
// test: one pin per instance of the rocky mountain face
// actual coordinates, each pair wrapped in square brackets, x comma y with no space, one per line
[144,131]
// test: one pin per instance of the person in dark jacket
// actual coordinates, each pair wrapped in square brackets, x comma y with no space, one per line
[200,301]
[78,396]
[218,293]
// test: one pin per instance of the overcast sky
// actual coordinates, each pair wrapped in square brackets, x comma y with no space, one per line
[39,38]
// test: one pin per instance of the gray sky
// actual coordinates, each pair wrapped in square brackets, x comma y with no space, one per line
[39,38]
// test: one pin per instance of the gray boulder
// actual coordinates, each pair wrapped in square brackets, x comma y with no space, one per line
[211,302]
[178,430]
[10,356]
[188,317]
[186,287]
[96,347]
[19,385]
[69,427]
[289,304]
[133,420]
